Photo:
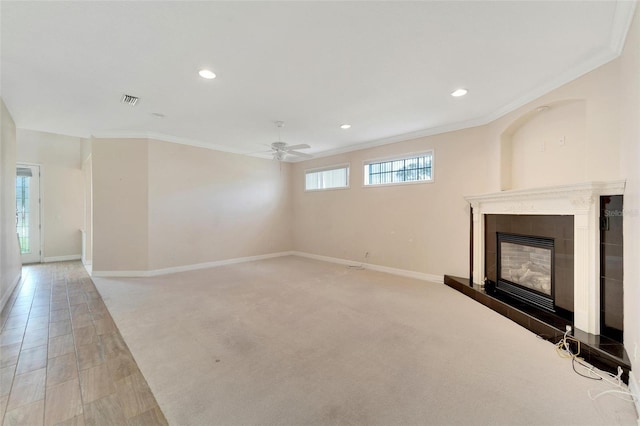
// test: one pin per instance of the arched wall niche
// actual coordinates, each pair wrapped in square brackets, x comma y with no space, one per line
[545,146]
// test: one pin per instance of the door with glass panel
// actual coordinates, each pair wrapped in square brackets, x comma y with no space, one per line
[28,212]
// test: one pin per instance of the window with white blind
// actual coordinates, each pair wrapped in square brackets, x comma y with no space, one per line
[333,177]
[411,168]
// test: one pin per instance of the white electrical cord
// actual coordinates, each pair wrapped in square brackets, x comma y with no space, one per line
[622,392]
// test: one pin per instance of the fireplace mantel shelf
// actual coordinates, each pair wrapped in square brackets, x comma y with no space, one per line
[560,191]
[579,200]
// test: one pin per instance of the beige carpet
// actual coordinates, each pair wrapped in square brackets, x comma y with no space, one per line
[292,341]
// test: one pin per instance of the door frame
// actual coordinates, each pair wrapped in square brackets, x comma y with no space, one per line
[40,257]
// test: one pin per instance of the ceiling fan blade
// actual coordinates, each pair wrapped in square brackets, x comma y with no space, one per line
[294,147]
[299,154]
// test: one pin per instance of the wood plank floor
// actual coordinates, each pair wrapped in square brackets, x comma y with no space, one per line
[63,360]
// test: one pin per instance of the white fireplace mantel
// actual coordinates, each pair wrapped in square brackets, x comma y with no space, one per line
[583,203]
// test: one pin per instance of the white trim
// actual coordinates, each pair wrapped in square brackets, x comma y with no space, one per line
[403,156]
[634,388]
[327,168]
[10,290]
[65,258]
[621,23]
[614,187]
[379,268]
[155,272]
[185,268]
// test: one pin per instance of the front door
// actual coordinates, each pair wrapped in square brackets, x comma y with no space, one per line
[28,212]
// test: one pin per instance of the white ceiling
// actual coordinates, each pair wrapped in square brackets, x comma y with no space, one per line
[386,68]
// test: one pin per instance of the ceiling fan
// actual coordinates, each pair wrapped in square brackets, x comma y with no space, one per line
[280,150]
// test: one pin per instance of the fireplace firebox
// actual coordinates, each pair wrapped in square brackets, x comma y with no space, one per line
[525,268]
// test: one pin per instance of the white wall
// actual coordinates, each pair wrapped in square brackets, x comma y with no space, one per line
[61,186]
[10,262]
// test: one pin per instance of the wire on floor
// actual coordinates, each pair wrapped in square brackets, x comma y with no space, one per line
[563,348]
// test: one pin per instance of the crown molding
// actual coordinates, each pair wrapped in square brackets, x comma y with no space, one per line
[613,187]
[622,19]
[164,138]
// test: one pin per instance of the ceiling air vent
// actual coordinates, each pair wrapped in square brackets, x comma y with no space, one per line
[129,100]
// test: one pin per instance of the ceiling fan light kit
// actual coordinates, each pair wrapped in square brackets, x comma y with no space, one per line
[280,150]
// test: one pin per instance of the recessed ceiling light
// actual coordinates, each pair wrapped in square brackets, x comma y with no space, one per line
[208,74]
[345,126]
[459,92]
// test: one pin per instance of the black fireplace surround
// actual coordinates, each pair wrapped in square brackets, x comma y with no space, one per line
[535,233]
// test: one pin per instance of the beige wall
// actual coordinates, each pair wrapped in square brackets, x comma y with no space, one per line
[160,205]
[10,262]
[120,204]
[587,110]
[87,174]
[424,227]
[550,148]
[207,205]
[61,190]
[629,167]
[417,227]
[87,243]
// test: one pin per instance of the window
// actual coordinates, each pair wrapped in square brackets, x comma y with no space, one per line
[22,208]
[327,178]
[411,168]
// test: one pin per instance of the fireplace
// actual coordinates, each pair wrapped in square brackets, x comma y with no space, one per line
[581,203]
[525,268]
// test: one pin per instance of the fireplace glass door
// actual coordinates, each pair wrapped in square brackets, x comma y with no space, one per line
[525,268]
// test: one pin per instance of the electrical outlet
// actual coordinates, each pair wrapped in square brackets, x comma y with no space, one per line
[574,345]
[568,328]
[562,140]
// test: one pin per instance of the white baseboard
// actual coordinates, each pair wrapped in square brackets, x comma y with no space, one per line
[185,268]
[88,267]
[164,271]
[62,258]
[394,271]
[634,388]
[12,287]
